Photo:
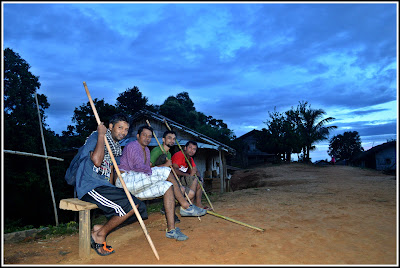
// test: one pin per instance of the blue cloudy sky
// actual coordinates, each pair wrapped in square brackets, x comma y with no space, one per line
[237,60]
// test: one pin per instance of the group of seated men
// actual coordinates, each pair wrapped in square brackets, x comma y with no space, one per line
[147,175]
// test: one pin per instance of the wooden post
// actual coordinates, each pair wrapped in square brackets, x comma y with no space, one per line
[47,162]
[84,233]
[221,170]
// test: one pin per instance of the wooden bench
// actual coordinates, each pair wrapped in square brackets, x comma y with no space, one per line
[84,208]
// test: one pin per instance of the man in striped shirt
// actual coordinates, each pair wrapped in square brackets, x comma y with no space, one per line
[90,173]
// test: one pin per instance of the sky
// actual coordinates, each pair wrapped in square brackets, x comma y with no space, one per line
[237,60]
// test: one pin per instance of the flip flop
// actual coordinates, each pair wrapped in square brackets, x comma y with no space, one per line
[96,246]
[207,208]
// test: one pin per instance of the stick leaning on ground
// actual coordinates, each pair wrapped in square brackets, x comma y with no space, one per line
[211,212]
[120,177]
[173,171]
[190,165]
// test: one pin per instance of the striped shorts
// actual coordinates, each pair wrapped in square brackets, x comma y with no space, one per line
[114,202]
[145,186]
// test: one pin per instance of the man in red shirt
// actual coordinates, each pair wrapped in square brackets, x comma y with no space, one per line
[187,174]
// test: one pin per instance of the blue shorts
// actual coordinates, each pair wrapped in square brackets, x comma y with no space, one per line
[114,202]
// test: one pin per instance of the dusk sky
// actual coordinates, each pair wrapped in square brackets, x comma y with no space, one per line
[238,60]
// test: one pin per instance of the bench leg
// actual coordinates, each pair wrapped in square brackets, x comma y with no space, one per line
[84,233]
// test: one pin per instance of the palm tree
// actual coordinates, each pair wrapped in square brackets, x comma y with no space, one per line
[312,127]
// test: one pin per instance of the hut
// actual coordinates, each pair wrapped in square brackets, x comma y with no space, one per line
[381,157]
[210,157]
[249,154]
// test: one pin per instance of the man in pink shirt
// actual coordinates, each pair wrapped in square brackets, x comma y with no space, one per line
[145,182]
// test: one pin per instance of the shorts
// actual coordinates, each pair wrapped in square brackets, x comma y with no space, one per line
[114,202]
[187,182]
[145,186]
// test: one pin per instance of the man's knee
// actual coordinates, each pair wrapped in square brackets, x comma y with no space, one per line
[191,194]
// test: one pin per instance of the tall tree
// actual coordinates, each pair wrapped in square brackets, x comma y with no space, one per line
[181,109]
[345,146]
[85,120]
[25,177]
[280,136]
[294,131]
[312,127]
[131,101]
[21,121]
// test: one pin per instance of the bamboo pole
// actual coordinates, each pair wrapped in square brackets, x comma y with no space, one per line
[31,154]
[211,212]
[120,177]
[190,165]
[235,221]
[172,168]
[47,162]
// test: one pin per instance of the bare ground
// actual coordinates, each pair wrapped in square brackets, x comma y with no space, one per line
[311,215]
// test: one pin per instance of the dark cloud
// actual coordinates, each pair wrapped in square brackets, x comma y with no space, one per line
[237,61]
[370,111]
[369,128]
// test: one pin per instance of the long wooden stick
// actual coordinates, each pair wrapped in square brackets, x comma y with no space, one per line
[235,221]
[47,162]
[190,165]
[31,154]
[211,212]
[120,177]
[172,168]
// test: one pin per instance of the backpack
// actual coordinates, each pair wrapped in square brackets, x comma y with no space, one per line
[70,175]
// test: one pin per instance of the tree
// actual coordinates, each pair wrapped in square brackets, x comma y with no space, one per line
[25,177]
[311,127]
[181,110]
[294,131]
[131,101]
[85,120]
[21,122]
[280,136]
[345,146]
[214,128]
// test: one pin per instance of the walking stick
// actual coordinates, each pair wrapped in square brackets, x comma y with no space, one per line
[235,221]
[120,178]
[173,171]
[211,212]
[190,165]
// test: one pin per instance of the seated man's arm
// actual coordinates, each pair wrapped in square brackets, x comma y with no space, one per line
[161,161]
[97,155]
[194,171]
[178,171]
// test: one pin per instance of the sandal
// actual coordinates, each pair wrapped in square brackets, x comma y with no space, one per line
[207,208]
[103,245]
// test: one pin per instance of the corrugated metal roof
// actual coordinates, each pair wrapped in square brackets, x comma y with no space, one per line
[207,141]
[153,142]
[374,149]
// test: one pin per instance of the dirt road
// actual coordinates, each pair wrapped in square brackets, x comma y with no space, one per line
[311,215]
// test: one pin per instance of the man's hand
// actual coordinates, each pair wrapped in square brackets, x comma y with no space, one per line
[101,129]
[168,163]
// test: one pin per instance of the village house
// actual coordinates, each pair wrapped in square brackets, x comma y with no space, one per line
[380,157]
[210,157]
[249,154]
